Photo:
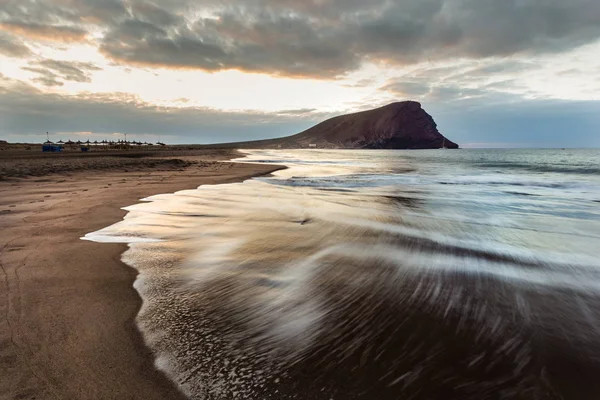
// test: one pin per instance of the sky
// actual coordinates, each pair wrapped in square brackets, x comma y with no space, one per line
[492,73]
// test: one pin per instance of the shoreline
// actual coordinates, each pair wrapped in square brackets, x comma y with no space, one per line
[68,325]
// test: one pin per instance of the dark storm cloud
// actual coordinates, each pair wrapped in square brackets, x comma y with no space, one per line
[328,38]
[275,44]
[322,39]
[511,26]
[54,72]
[282,39]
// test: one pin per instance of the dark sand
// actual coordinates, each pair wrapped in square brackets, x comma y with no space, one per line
[67,306]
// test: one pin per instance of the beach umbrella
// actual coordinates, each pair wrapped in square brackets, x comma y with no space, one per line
[60,142]
[95,142]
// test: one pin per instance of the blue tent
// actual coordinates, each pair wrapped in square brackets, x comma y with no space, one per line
[51,147]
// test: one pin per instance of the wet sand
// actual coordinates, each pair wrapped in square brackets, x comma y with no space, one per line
[67,306]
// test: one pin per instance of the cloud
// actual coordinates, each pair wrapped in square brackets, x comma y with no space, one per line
[12,47]
[327,39]
[70,70]
[299,111]
[448,92]
[45,77]
[287,39]
[26,111]
[499,121]
[62,12]
[320,39]
[463,59]
[154,14]
[273,44]
[54,72]
[408,89]
[34,30]
[490,80]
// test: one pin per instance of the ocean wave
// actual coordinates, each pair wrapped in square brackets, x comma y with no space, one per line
[331,280]
[549,168]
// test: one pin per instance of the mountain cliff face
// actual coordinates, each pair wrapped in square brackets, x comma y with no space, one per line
[403,125]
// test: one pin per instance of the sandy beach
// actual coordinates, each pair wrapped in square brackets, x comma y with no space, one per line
[68,307]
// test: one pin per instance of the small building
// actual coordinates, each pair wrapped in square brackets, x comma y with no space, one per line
[312,145]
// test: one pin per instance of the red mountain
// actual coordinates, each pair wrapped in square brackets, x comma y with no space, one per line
[401,125]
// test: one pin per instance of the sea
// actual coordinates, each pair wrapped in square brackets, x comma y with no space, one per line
[367,274]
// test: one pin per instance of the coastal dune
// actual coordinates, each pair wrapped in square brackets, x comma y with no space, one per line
[68,306]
